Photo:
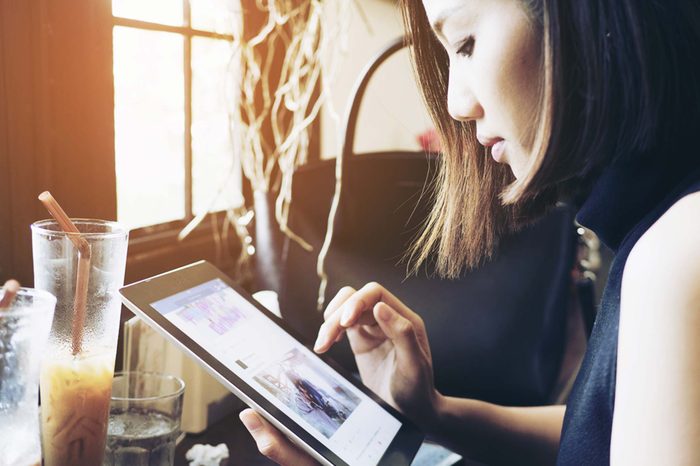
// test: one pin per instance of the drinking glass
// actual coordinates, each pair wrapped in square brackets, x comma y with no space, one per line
[24,327]
[76,379]
[144,419]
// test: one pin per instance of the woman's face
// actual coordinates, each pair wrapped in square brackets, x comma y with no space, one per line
[495,72]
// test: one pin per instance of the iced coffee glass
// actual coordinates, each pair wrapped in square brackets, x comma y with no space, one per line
[76,376]
[24,327]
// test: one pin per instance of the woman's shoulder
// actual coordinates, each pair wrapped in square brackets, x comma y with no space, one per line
[666,259]
[657,355]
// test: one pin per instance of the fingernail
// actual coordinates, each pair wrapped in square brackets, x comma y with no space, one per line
[384,313]
[251,421]
[320,340]
[345,317]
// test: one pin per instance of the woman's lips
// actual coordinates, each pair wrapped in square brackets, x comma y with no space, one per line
[497,146]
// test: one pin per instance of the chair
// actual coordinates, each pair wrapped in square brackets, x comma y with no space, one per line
[497,334]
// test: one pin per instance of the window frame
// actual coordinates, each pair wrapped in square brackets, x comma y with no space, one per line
[188,33]
[57,134]
[151,247]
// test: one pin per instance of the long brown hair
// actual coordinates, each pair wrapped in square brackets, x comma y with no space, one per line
[475,200]
[621,81]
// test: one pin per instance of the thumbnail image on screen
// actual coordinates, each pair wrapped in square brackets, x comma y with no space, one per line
[314,394]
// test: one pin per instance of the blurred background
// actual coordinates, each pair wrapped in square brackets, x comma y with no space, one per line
[128,109]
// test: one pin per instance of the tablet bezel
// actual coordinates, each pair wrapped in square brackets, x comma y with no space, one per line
[139,296]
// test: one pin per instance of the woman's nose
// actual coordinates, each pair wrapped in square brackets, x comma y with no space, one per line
[462,104]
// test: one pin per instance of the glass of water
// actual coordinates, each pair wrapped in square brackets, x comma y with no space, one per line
[144,419]
[24,329]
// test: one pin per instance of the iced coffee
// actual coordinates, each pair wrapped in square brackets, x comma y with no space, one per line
[82,263]
[75,392]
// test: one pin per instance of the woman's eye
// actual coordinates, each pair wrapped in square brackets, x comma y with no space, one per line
[466,48]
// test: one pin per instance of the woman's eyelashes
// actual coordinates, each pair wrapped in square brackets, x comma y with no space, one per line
[466,47]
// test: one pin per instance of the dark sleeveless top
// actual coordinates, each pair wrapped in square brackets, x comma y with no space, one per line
[625,201]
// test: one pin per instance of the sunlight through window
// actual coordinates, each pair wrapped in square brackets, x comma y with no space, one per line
[174,89]
[149,115]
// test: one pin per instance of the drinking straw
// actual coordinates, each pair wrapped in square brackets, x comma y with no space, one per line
[83,274]
[11,287]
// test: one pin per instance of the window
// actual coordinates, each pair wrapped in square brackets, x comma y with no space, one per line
[175,71]
[58,89]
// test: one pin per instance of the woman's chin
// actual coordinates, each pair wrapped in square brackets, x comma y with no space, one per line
[518,172]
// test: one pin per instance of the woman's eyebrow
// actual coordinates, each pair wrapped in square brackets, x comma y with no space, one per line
[439,21]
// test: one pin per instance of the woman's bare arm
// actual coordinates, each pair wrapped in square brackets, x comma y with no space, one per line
[500,435]
[657,395]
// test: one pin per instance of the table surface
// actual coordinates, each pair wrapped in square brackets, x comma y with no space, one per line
[241,446]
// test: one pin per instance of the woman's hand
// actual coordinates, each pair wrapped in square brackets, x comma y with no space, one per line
[392,353]
[390,345]
[272,443]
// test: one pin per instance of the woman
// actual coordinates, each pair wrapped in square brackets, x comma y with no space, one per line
[597,101]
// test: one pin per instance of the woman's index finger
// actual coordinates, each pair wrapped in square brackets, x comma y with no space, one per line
[338,300]
[328,333]
[367,297]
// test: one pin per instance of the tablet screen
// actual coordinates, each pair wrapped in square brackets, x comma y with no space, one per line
[285,372]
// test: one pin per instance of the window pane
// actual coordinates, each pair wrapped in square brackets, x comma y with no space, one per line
[216,178]
[149,126]
[221,16]
[154,11]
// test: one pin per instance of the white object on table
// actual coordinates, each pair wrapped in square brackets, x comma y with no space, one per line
[207,455]
[432,454]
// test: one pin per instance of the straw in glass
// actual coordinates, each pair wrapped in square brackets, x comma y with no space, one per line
[10,288]
[83,275]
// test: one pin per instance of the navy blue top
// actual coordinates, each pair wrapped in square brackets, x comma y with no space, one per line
[625,201]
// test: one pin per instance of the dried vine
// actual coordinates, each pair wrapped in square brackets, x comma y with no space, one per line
[308,38]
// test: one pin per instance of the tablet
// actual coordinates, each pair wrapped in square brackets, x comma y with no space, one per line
[261,360]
